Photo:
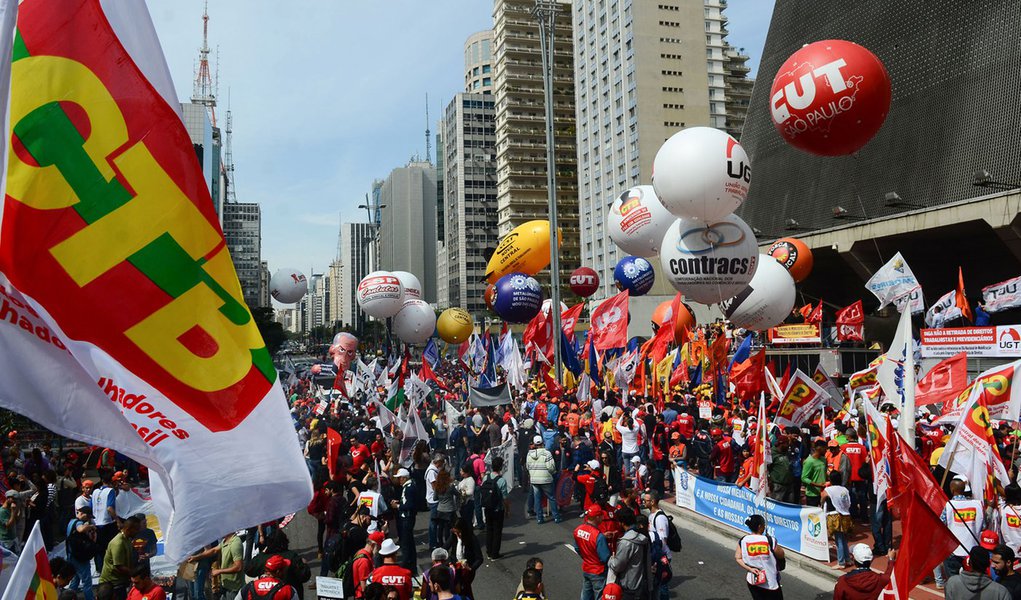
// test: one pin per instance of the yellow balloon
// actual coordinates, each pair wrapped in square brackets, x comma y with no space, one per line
[524,250]
[455,325]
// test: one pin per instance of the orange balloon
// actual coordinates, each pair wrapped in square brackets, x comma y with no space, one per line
[489,295]
[662,313]
[684,320]
[794,255]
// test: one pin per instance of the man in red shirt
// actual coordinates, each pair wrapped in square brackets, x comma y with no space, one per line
[685,424]
[361,567]
[594,551]
[142,587]
[271,585]
[391,573]
[359,454]
[857,456]
[722,456]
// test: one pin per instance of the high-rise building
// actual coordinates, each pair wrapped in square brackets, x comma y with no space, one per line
[313,304]
[205,138]
[407,235]
[478,63]
[264,277]
[738,88]
[288,318]
[356,241]
[335,278]
[639,78]
[242,230]
[521,125]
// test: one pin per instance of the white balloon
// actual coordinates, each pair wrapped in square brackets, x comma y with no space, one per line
[709,263]
[288,285]
[546,305]
[415,322]
[412,286]
[701,173]
[766,301]
[380,294]
[637,221]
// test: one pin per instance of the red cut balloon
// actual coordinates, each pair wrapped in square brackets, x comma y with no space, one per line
[830,98]
[584,282]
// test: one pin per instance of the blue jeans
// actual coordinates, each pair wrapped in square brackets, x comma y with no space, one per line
[83,577]
[433,526]
[630,466]
[843,554]
[882,527]
[545,489]
[479,521]
[592,586]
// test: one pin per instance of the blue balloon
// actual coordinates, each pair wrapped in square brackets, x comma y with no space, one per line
[634,274]
[518,298]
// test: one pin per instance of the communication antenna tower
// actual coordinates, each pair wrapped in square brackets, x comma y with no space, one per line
[228,156]
[204,91]
[428,134]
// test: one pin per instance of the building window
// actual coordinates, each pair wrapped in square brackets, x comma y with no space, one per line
[669,23]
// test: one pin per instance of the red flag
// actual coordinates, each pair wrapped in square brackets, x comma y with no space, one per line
[569,318]
[426,374]
[609,323]
[786,379]
[749,377]
[657,346]
[851,323]
[333,441]
[718,352]
[553,389]
[816,315]
[961,300]
[680,374]
[944,382]
[806,311]
[539,334]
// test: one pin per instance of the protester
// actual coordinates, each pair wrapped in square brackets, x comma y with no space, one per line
[863,583]
[964,517]
[541,472]
[757,553]
[972,583]
[631,563]
[271,586]
[80,544]
[494,495]
[230,572]
[391,573]
[119,562]
[837,502]
[531,582]
[594,552]
[466,555]
[142,587]
[813,474]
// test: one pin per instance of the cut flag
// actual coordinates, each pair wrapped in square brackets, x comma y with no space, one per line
[113,260]
[801,402]
[851,323]
[944,382]
[609,323]
[971,451]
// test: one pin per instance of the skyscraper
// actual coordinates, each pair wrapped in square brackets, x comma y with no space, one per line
[407,235]
[356,241]
[242,230]
[335,307]
[469,201]
[639,78]
[521,125]
[205,138]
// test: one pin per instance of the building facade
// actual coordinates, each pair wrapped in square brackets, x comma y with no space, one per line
[242,230]
[335,307]
[521,125]
[356,243]
[264,277]
[407,234]
[206,140]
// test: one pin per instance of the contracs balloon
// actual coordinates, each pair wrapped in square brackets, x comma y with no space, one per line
[518,298]
[524,250]
[584,282]
[701,173]
[454,325]
[766,301]
[830,98]
[634,274]
[342,350]
[637,221]
[416,321]
[794,255]
[380,294]
[412,286]
[709,263]
[288,286]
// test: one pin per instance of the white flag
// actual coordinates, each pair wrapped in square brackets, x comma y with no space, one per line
[131,332]
[1003,295]
[892,280]
[915,300]
[947,304]
[512,364]
[31,576]
[896,375]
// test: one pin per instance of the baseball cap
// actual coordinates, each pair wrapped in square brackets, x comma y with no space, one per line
[593,464]
[537,439]
[675,435]
[402,473]
[119,476]
[613,591]
[388,548]
[595,511]
[10,494]
[716,431]
[377,537]
[989,539]
[636,459]
[440,554]
[834,444]
[277,562]
[861,553]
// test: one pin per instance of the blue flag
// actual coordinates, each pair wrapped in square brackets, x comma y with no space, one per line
[569,356]
[696,377]
[489,373]
[743,352]
[431,353]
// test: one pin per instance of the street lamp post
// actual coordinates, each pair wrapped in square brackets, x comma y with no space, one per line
[545,12]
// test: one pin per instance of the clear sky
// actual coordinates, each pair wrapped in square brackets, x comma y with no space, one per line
[327,95]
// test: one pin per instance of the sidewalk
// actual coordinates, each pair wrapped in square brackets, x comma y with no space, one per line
[925,591]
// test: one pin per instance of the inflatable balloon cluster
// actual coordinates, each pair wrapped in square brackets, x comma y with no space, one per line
[398,294]
[524,250]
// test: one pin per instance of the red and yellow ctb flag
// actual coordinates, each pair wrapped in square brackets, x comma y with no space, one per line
[121,316]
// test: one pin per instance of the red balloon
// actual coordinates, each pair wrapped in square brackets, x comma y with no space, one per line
[489,295]
[584,282]
[830,98]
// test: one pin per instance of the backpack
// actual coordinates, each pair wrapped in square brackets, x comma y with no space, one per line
[600,491]
[79,546]
[490,493]
[673,539]
[346,573]
[248,592]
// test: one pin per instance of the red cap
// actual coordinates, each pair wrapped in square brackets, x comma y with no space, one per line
[989,539]
[276,563]
[716,431]
[595,511]
[613,591]
[377,537]
[120,476]
[675,435]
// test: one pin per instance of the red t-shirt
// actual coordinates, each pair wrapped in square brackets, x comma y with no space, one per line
[260,589]
[587,537]
[359,454]
[361,568]
[856,455]
[725,455]
[154,593]
[686,425]
[393,575]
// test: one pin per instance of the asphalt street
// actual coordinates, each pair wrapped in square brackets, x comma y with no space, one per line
[704,569]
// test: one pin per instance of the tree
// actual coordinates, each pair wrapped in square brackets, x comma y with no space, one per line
[272,332]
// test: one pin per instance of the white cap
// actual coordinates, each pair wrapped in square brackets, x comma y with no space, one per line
[636,459]
[388,548]
[537,439]
[593,464]
[402,473]
[861,553]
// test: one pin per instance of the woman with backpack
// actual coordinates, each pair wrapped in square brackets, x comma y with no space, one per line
[759,555]
[81,549]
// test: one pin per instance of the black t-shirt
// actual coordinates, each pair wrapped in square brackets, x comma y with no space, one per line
[1013,585]
[352,539]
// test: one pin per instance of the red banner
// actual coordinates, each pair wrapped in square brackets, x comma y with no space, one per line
[944,382]
[609,323]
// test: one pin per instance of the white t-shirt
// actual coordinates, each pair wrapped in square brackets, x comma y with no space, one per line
[430,476]
[372,501]
[81,502]
[840,498]
[1010,526]
[756,552]
[658,524]
[101,499]
[967,516]
[628,438]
